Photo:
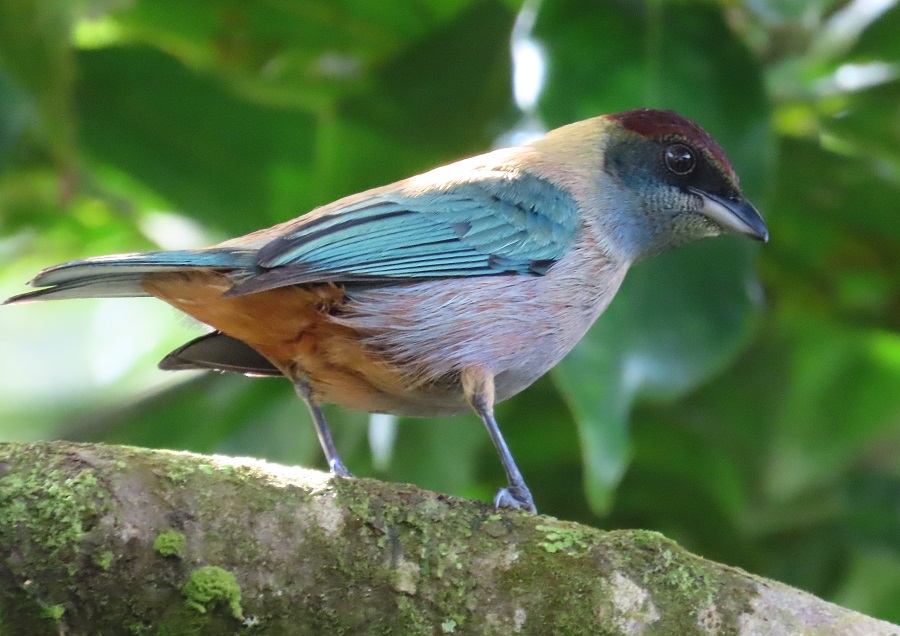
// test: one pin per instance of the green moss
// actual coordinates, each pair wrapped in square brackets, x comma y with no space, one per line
[55,506]
[180,466]
[358,506]
[560,538]
[681,572]
[53,612]
[135,626]
[413,619]
[170,543]
[104,559]
[210,585]
[684,588]
[419,545]
[178,474]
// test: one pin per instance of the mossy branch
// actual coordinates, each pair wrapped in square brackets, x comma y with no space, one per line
[113,540]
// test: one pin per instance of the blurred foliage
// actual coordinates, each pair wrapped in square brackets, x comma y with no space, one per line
[744,401]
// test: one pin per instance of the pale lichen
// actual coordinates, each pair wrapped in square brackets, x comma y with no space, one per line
[329,516]
[709,619]
[406,574]
[633,608]
[519,617]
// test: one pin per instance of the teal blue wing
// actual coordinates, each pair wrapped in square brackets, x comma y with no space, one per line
[500,224]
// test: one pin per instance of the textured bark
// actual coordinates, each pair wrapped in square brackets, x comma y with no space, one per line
[115,540]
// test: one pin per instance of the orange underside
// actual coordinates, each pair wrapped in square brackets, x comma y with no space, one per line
[291,327]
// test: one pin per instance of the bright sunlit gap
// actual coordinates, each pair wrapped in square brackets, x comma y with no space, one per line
[528,59]
[529,71]
[173,231]
[847,24]
[96,33]
[856,77]
[382,435]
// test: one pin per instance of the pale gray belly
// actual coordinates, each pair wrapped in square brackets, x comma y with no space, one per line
[516,326]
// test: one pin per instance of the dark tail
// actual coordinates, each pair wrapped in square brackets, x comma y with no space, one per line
[121,275]
[219,352]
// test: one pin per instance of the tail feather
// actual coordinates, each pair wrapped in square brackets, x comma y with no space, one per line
[121,275]
[143,263]
[99,287]
[219,352]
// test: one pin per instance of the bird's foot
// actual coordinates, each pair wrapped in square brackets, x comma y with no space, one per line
[338,469]
[515,498]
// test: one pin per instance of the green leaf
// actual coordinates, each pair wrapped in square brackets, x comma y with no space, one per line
[842,404]
[36,58]
[306,54]
[872,500]
[452,447]
[868,127]
[227,157]
[15,113]
[207,151]
[439,100]
[835,244]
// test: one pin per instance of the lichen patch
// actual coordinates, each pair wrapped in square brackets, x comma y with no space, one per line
[632,607]
[709,620]
[329,516]
[405,577]
[519,617]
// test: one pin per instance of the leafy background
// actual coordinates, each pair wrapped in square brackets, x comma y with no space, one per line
[743,400]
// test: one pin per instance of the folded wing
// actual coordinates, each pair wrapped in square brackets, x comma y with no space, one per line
[498,223]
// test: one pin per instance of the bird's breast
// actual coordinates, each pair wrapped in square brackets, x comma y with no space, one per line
[517,326]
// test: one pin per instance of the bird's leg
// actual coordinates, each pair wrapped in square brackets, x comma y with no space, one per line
[315,409]
[478,386]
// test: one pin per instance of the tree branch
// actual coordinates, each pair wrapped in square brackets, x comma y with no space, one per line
[109,540]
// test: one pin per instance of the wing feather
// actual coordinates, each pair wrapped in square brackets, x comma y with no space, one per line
[498,222]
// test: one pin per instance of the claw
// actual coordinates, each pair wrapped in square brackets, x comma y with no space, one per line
[338,469]
[515,499]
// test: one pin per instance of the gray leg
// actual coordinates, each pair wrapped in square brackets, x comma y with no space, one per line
[478,385]
[331,455]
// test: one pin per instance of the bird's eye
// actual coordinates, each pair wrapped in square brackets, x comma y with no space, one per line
[680,159]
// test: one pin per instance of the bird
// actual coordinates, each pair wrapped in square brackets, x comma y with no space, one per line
[446,292]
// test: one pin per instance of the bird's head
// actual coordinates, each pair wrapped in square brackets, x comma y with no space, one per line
[664,181]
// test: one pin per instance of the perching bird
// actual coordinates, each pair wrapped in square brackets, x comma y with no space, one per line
[448,291]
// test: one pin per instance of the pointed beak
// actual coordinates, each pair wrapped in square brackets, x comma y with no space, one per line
[734,215]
